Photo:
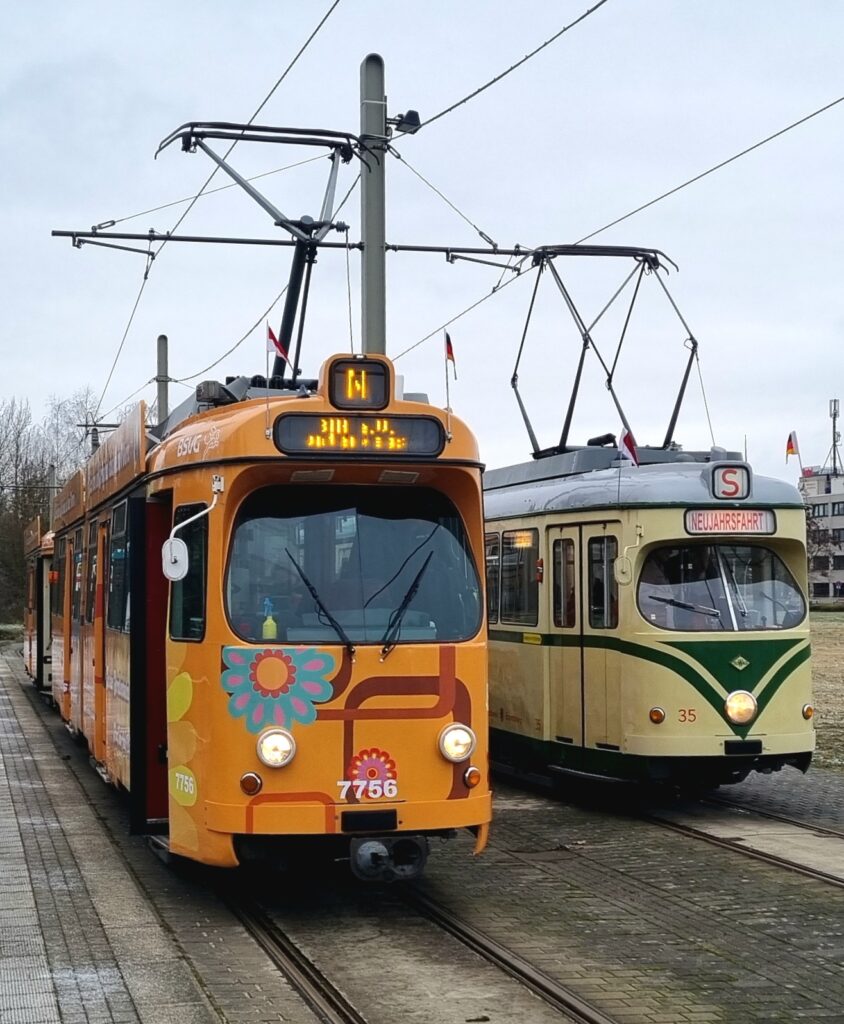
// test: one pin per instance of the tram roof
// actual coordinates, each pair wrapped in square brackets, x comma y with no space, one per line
[591,478]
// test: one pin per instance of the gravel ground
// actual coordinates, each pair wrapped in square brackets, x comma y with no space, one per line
[828,679]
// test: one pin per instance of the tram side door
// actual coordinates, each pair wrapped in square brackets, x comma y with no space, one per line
[565,654]
[601,659]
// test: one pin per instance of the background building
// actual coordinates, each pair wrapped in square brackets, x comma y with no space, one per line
[822,488]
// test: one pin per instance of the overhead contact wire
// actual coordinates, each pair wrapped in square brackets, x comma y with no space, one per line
[238,343]
[486,238]
[513,67]
[210,192]
[257,111]
[712,170]
[495,291]
[208,180]
[123,340]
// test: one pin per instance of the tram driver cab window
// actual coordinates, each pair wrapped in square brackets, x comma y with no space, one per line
[716,587]
[305,561]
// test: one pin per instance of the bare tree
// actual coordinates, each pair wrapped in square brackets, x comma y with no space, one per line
[28,450]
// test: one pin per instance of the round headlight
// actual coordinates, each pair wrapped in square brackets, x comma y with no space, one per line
[276,747]
[740,707]
[457,742]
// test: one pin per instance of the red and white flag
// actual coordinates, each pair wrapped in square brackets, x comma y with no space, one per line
[627,447]
[449,354]
[274,345]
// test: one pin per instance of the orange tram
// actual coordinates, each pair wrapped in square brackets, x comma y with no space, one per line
[266,621]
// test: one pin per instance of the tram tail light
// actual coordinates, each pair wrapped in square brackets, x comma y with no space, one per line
[657,716]
[471,777]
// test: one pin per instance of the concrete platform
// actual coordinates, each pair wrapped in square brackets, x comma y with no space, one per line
[79,943]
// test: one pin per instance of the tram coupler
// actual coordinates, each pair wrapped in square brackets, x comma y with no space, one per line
[388,858]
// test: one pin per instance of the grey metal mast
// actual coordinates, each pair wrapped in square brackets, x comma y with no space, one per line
[373,135]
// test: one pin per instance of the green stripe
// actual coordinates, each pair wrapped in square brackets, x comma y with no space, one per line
[665,660]
[780,676]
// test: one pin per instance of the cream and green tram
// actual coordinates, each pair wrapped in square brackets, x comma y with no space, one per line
[647,622]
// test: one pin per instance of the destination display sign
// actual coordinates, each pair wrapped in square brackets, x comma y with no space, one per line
[306,434]
[728,520]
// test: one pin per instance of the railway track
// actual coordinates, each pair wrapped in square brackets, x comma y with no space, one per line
[550,991]
[774,816]
[739,846]
[327,1003]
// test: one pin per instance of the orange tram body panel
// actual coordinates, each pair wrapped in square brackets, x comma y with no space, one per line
[38,558]
[268,622]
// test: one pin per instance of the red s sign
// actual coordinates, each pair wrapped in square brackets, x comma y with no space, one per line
[730,483]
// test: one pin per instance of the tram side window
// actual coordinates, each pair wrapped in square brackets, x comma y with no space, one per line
[519,586]
[76,607]
[57,593]
[603,589]
[565,607]
[187,596]
[91,582]
[493,574]
[118,571]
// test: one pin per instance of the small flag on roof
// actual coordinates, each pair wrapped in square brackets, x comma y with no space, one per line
[791,446]
[627,447]
[274,345]
[449,353]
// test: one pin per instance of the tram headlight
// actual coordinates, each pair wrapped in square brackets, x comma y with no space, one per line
[740,707]
[457,742]
[276,748]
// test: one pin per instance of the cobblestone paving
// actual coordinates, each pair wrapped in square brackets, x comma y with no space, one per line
[816,797]
[127,939]
[648,925]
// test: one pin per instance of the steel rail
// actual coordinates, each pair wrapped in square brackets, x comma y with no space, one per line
[541,984]
[736,847]
[800,823]
[328,1004]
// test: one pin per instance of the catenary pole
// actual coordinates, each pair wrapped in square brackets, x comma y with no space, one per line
[162,378]
[373,134]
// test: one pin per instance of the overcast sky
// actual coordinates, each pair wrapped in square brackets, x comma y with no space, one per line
[639,97]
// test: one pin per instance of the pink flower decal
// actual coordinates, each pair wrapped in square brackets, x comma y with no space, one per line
[372,765]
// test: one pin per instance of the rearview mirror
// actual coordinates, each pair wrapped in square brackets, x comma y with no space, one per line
[174,559]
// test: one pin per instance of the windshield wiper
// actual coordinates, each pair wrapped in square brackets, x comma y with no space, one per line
[391,636]
[335,625]
[685,604]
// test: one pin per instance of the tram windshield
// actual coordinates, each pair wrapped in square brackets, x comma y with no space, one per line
[719,587]
[351,565]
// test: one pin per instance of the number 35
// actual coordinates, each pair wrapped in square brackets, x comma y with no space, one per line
[687,715]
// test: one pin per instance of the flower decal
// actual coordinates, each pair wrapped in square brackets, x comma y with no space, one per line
[276,685]
[372,765]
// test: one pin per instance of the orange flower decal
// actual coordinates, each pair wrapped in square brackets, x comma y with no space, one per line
[272,673]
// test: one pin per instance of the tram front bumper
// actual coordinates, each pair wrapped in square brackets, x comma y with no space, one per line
[650,745]
[314,814]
